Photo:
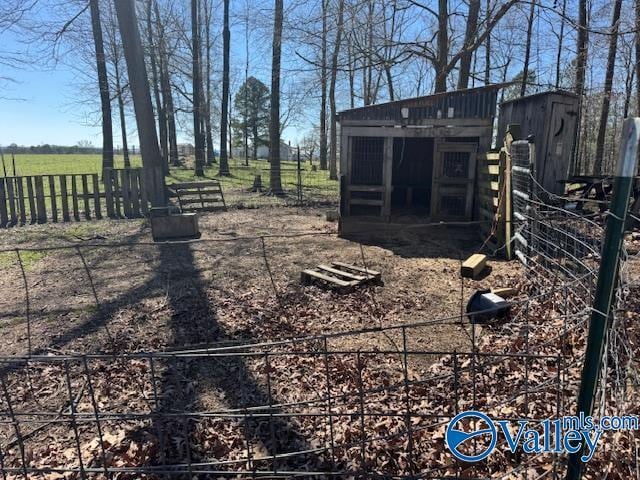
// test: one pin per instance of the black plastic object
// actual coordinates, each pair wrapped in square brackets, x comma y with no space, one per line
[484,306]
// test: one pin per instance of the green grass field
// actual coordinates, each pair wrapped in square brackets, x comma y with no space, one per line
[316,183]
[54,164]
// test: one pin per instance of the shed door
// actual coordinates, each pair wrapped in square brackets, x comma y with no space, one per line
[453,178]
[559,147]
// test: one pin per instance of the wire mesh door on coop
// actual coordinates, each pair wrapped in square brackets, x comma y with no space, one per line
[454,167]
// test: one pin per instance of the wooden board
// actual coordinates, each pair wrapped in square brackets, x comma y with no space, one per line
[85,197]
[96,195]
[108,192]
[473,265]
[20,193]
[52,195]
[199,196]
[12,201]
[65,198]
[32,203]
[3,204]
[339,275]
[74,198]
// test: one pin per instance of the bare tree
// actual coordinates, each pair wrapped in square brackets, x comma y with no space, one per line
[165,83]
[582,47]
[208,14]
[527,50]
[333,171]
[608,83]
[153,63]
[469,37]
[140,92]
[275,182]
[103,82]
[197,86]
[224,120]
[443,59]
[637,48]
[116,56]
[323,87]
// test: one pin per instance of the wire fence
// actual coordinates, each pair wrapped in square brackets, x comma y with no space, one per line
[249,186]
[182,369]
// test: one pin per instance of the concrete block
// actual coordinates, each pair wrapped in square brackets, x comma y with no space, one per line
[332,215]
[170,227]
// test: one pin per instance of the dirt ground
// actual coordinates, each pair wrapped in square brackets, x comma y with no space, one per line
[114,294]
[140,286]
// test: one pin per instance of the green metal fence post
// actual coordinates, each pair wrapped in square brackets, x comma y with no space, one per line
[607,278]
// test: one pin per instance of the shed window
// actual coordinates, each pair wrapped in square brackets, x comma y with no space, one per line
[455,165]
[366,160]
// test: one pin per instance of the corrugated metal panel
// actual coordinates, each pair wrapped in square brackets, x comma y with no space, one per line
[473,103]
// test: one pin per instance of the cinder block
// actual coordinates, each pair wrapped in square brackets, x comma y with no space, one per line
[183,225]
[332,215]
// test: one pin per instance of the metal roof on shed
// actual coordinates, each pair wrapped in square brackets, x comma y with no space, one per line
[469,103]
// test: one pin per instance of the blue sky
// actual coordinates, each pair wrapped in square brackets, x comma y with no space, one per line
[36,106]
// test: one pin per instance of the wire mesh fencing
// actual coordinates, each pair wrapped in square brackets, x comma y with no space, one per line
[204,359]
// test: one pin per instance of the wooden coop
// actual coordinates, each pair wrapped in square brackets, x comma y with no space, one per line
[552,119]
[414,160]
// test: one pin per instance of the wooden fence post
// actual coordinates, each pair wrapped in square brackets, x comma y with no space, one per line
[96,195]
[3,204]
[20,193]
[108,191]
[40,204]
[54,202]
[65,198]
[32,203]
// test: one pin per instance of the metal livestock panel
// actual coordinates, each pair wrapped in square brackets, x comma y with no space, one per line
[522,186]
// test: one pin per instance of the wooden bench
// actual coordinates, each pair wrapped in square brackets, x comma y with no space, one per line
[199,196]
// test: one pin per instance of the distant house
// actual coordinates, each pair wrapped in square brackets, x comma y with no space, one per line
[286,152]
[185,149]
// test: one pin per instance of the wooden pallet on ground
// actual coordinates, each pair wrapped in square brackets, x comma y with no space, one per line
[199,196]
[339,275]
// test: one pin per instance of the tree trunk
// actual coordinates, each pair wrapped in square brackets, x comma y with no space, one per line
[103,83]
[139,84]
[333,170]
[560,43]
[637,42]
[608,82]
[275,182]
[211,158]
[352,75]
[443,47]
[224,118]
[487,50]
[469,37]
[582,47]
[123,121]
[323,89]
[630,74]
[527,51]
[256,139]
[387,70]
[165,83]
[197,85]
[162,121]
